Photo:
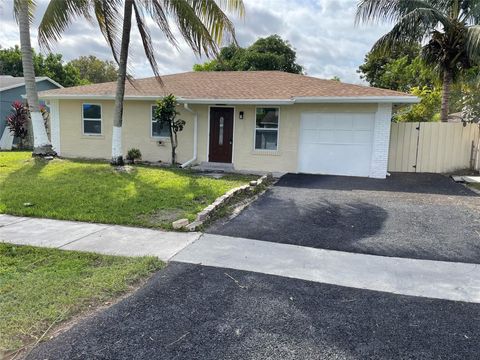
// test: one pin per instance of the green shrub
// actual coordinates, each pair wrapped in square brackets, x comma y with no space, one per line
[134,154]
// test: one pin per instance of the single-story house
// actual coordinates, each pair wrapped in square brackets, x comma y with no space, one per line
[252,121]
[13,89]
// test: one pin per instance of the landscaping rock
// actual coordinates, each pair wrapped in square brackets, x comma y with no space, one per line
[180,223]
[194,225]
[253,183]
[202,215]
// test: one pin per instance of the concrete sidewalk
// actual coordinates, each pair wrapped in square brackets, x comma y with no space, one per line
[425,278]
[99,238]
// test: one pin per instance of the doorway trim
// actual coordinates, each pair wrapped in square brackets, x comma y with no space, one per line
[233,134]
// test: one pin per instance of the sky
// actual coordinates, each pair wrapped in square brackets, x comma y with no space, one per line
[322,32]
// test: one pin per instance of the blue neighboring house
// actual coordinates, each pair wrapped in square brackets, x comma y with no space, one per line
[13,88]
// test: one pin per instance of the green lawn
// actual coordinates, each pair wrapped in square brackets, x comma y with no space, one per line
[96,192]
[39,288]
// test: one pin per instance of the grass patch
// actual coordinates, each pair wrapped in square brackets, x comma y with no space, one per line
[94,191]
[476,186]
[42,287]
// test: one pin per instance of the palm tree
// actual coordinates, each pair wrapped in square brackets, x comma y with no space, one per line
[202,24]
[448,30]
[23,10]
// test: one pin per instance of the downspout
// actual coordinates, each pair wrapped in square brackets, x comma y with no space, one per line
[195,136]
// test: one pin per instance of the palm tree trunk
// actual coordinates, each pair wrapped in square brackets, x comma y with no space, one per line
[117,154]
[447,82]
[41,144]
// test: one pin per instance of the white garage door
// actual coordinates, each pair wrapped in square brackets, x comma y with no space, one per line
[336,143]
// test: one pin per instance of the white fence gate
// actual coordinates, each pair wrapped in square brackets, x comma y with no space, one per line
[434,147]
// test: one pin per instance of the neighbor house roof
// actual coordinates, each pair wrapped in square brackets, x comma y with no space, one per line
[237,87]
[8,82]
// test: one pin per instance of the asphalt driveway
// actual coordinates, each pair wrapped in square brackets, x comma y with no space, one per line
[197,312]
[421,216]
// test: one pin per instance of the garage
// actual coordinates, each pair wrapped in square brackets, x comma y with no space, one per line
[336,143]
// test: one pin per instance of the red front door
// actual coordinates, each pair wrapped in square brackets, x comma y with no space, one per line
[221,134]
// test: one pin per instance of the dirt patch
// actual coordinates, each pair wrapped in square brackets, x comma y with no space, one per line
[162,216]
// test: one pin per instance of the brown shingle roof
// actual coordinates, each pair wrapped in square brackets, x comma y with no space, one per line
[239,85]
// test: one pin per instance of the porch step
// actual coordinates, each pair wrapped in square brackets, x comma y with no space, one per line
[215,166]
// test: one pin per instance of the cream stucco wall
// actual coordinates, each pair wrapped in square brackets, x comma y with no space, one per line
[285,158]
[136,133]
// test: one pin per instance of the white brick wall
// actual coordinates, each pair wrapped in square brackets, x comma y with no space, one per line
[381,140]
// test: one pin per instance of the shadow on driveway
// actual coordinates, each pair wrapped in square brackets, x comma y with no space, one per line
[421,183]
[421,216]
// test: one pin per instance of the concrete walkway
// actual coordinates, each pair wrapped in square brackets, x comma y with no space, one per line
[99,238]
[425,278]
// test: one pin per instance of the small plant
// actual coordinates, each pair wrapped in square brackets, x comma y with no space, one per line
[17,122]
[166,113]
[134,154]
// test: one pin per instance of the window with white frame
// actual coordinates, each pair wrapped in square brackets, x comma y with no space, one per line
[266,128]
[92,119]
[158,130]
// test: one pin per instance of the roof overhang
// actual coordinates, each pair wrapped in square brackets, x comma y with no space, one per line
[358,99]
[297,100]
[37,79]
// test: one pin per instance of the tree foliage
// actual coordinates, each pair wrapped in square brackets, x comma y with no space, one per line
[80,71]
[447,30]
[201,23]
[166,114]
[51,65]
[427,110]
[270,53]
[401,70]
[95,70]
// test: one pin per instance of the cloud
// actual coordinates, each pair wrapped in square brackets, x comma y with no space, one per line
[322,32]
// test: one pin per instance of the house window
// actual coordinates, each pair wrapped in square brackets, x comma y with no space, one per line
[266,129]
[159,130]
[92,119]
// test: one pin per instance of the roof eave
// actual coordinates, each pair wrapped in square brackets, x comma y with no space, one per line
[37,79]
[358,99]
[179,99]
[297,100]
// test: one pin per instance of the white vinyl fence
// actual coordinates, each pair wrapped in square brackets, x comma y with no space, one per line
[434,147]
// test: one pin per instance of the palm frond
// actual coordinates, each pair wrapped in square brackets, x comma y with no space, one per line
[214,17]
[146,40]
[109,19]
[391,10]
[191,27]
[58,15]
[32,5]
[156,11]
[202,23]
[471,12]
[473,43]
[411,28]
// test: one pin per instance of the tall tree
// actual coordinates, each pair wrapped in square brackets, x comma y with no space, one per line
[450,29]
[94,69]
[201,23]
[270,53]
[402,69]
[41,145]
